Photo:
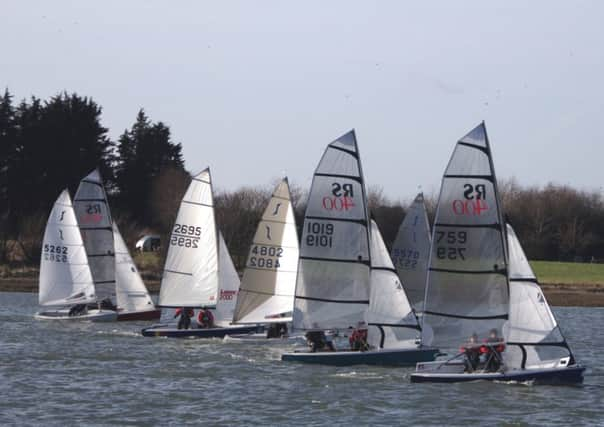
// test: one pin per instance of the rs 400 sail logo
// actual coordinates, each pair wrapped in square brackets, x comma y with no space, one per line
[474,201]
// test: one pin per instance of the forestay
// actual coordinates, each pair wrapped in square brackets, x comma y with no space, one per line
[131,293]
[332,289]
[65,277]
[94,217]
[190,277]
[228,285]
[392,322]
[467,287]
[411,252]
[269,279]
[532,333]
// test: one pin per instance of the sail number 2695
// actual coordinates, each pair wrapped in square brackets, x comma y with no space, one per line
[185,235]
[319,234]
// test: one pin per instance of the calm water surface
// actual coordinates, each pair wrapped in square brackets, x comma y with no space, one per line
[107,374]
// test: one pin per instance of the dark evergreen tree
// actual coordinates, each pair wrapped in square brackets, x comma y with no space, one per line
[144,152]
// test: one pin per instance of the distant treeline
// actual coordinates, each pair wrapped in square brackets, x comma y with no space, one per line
[49,145]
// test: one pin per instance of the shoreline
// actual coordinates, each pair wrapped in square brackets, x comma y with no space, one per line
[557,294]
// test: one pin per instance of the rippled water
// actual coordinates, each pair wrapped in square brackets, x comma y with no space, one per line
[105,374]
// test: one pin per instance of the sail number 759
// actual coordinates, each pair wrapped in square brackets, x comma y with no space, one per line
[450,244]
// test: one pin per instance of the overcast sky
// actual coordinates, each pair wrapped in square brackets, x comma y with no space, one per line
[256,89]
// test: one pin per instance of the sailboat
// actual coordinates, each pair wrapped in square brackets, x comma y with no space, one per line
[267,289]
[479,280]
[199,272]
[411,250]
[65,277]
[133,299]
[343,264]
[118,284]
[94,218]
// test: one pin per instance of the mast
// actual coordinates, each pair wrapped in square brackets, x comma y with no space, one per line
[467,287]
[332,287]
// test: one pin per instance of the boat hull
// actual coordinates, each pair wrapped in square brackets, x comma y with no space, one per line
[90,316]
[566,375]
[139,315]
[385,357]
[172,332]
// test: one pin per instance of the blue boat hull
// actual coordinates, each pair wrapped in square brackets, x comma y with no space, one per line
[554,376]
[396,357]
[171,332]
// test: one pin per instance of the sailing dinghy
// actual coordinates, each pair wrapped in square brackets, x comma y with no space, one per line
[345,275]
[411,250]
[479,280]
[118,284]
[266,295]
[133,299]
[65,277]
[199,272]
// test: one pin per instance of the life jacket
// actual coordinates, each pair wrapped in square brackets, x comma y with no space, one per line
[205,317]
[485,349]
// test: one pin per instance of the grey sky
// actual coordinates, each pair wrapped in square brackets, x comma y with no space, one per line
[258,88]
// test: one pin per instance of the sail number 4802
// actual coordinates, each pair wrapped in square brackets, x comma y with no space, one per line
[265,256]
[319,234]
[452,241]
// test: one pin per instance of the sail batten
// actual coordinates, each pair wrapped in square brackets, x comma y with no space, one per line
[332,287]
[267,289]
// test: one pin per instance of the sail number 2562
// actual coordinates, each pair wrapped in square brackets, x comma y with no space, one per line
[450,244]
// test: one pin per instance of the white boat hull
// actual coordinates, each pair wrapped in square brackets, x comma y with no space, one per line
[93,315]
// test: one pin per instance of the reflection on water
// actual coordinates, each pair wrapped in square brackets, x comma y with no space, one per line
[55,373]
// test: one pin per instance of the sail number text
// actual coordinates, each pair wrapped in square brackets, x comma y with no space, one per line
[319,234]
[185,235]
[405,258]
[55,253]
[265,256]
[450,244]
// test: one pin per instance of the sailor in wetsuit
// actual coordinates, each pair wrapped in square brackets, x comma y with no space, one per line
[471,352]
[492,350]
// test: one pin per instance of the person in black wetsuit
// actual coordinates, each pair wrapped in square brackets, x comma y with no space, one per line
[471,352]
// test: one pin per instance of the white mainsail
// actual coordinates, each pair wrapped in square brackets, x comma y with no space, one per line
[190,277]
[94,218]
[228,285]
[392,323]
[65,277]
[532,334]
[269,280]
[131,293]
[467,286]
[332,288]
[411,252]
